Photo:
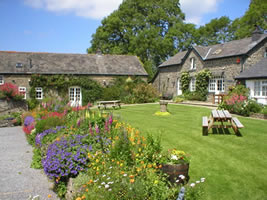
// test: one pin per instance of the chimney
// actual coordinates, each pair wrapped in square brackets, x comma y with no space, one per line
[256,34]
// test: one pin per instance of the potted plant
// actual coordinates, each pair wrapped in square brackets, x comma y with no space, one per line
[175,164]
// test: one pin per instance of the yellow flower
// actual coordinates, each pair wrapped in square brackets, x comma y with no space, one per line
[83,197]
[49,196]
[131,180]
[121,164]
[96,160]
[156,182]
[86,190]
[78,198]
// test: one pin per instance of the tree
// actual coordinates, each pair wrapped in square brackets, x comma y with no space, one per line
[255,15]
[216,31]
[142,28]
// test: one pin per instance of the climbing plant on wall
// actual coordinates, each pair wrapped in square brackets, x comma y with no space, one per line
[202,83]
[185,81]
[91,90]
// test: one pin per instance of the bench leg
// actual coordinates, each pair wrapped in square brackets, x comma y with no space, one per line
[236,130]
[204,131]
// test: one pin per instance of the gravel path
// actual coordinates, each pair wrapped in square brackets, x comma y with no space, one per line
[17,180]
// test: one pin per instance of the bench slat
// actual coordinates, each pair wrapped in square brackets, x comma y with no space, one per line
[205,121]
[221,114]
[215,114]
[227,114]
[238,123]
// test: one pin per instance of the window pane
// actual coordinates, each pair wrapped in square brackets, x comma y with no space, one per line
[264,91]
[257,88]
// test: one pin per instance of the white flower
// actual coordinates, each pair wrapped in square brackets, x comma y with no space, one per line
[104,175]
[174,157]
[108,178]
[124,174]
[109,189]
[177,181]
[202,180]
[103,183]
[192,184]
[110,167]
[95,180]
[106,186]
[182,177]
[99,186]
[197,182]
[110,182]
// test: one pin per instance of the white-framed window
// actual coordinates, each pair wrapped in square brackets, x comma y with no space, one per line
[179,86]
[193,84]
[193,63]
[39,93]
[260,88]
[75,96]
[22,91]
[216,84]
[2,80]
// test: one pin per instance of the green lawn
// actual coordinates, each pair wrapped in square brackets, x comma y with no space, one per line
[234,167]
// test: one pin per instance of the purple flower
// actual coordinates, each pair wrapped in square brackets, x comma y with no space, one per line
[110,120]
[40,136]
[28,120]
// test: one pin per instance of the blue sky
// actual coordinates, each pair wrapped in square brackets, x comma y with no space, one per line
[66,26]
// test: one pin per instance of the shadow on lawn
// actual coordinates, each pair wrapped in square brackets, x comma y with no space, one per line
[224,131]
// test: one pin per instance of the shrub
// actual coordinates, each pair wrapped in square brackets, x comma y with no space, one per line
[178,99]
[10,91]
[264,110]
[145,93]
[253,106]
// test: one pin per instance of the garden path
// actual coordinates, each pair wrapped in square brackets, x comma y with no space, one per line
[17,180]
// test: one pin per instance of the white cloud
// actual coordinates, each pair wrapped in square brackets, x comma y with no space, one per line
[95,9]
[195,9]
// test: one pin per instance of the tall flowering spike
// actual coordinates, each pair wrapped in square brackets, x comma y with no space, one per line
[106,126]
[97,128]
[91,130]
[110,120]
[79,122]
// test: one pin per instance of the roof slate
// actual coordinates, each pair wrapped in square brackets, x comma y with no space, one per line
[56,63]
[232,48]
[259,70]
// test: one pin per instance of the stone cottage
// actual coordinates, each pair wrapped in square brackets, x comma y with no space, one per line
[225,61]
[17,68]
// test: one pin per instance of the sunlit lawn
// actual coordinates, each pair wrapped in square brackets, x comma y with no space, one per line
[234,167]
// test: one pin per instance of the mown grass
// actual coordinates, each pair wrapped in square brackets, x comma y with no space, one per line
[234,167]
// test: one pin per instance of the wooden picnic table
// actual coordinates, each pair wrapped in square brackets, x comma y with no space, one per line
[104,104]
[225,120]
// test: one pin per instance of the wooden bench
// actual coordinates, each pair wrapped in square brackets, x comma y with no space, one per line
[205,125]
[104,104]
[236,124]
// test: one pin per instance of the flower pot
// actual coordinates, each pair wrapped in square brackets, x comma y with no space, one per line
[175,170]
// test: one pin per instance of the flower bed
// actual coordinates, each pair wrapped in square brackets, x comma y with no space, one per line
[114,159]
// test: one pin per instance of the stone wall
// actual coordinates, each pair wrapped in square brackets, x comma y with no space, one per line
[7,107]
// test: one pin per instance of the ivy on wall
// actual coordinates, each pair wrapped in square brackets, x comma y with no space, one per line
[202,83]
[91,90]
[185,81]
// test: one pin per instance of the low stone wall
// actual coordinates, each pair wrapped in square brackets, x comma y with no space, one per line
[259,116]
[7,107]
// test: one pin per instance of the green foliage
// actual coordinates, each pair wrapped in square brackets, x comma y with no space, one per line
[91,90]
[37,159]
[142,28]
[185,81]
[32,103]
[253,106]
[61,189]
[264,110]
[178,99]
[202,83]
[238,89]
[216,31]
[130,90]
[255,15]
[194,96]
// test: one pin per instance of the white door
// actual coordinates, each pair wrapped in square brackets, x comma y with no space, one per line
[75,96]
[179,87]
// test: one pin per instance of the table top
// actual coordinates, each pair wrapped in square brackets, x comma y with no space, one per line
[106,102]
[221,114]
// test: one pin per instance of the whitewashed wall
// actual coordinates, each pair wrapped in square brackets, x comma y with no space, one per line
[250,85]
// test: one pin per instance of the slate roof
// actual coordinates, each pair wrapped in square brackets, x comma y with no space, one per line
[228,49]
[57,63]
[259,70]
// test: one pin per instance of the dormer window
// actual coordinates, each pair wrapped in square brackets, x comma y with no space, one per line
[19,65]
[193,63]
